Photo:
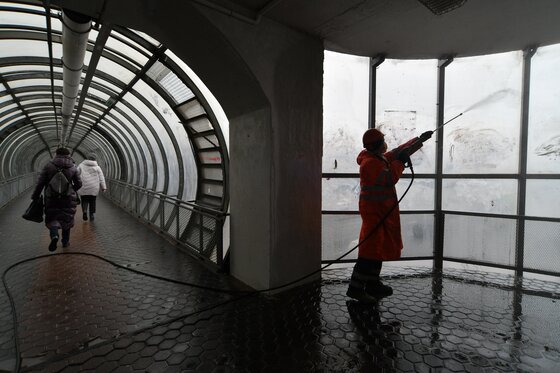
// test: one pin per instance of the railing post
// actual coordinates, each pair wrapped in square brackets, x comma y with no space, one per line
[178,216]
[148,206]
[162,214]
[220,241]
[200,234]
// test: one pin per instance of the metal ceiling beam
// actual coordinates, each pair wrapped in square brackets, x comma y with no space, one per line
[129,86]
[16,101]
[50,44]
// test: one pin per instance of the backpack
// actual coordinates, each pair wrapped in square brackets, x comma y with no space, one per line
[59,186]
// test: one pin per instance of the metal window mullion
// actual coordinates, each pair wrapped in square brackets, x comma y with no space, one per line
[438,192]
[523,139]
[374,62]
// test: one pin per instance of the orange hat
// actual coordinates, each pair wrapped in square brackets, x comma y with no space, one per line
[372,136]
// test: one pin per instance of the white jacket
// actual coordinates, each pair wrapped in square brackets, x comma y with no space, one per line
[92,178]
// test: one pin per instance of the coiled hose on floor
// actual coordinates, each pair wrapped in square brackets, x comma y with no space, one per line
[242,293]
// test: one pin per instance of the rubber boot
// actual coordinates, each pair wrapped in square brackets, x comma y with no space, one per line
[357,288]
[378,289]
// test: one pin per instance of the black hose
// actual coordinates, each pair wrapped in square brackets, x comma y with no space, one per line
[244,293]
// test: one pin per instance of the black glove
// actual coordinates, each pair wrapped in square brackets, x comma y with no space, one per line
[404,157]
[426,135]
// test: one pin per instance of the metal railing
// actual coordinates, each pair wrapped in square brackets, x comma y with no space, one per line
[197,228]
[15,186]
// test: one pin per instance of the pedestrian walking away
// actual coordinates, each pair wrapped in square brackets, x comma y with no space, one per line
[93,180]
[60,180]
[380,233]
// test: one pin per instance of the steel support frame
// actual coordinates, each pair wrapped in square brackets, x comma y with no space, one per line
[439,218]
[523,139]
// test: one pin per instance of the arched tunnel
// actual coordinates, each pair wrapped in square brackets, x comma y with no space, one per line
[213,246]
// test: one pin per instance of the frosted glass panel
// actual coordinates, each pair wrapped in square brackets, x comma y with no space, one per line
[486,196]
[543,198]
[215,106]
[341,194]
[128,51]
[115,70]
[480,238]
[542,245]
[345,110]
[17,48]
[212,173]
[33,83]
[26,68]
[175,130]
[213,157]
[420,196]
[417,234]
[22,19]
[406,105]
[191,109]
[340,233]
[543,151]
[485,139]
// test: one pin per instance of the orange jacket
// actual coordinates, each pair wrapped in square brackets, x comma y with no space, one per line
[378,176]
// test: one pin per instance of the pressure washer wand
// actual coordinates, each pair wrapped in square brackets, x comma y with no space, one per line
[455,117]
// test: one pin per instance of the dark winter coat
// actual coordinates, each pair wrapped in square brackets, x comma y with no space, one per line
[59,213]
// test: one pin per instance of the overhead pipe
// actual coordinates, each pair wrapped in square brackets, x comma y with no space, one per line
[75,33]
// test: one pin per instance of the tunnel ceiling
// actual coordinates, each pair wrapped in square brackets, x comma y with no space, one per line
[136,106]
[409,29]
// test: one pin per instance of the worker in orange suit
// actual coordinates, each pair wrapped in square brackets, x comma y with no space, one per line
[380,234]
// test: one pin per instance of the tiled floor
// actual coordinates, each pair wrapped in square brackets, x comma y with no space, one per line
[81,309]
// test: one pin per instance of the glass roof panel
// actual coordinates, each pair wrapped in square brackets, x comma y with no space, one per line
[46,101]
[92,109]
[98,94]
[115,70]
[21,6]
[148,38]
[108,85]
[56,23]
[24,68]
[140,48]
[19,48]
[212,102]
[191,109]
[7,108]
[4,97]
[167,79]
[33,82]
[23,19]
[178,132]
[127,50]
[10,122]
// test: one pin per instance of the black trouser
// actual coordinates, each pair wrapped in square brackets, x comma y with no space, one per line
[88,201]
[365,273]
[369,266]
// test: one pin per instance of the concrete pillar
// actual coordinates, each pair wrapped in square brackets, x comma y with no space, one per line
[268,79]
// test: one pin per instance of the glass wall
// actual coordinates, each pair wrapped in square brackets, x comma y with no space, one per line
[493,212]
[406,107]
